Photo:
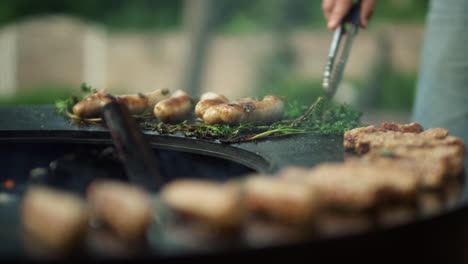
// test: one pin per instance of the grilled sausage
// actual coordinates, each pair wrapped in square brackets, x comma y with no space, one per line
[269,110]
[175,109]
[208,100]
[137,104]
[55,218]
[156,96]
[245,100]
[125,208]
[92,105]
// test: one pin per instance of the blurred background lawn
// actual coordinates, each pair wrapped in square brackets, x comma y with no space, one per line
[239,48]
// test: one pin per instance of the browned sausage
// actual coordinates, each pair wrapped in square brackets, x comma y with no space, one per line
[208,100]
[55,218]
[92,105]
[124,207]
[245,100]
[269,110]
[175,109]
[137,104]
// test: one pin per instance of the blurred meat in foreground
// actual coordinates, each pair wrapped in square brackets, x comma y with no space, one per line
[124,207]
[214,203]
[395,163]
[57,219]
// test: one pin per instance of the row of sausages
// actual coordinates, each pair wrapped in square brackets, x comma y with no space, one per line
[212,108]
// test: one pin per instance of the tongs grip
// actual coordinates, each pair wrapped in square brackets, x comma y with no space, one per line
[332,74]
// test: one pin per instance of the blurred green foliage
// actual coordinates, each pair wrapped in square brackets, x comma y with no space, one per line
[240,16]
[255,16]
[397,91]
[249,17]
[44,94]
[116,14]
[397,11]
[232,17]
[295,89]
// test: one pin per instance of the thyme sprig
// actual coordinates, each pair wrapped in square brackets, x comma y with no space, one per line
[322,117]
[65,106]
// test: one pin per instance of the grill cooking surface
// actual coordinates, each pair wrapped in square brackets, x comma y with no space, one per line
[71,156]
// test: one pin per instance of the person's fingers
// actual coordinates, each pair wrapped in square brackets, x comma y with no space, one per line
[340,9]
[367,9]
[327,7]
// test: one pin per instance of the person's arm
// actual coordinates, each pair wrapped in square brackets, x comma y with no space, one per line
[335,10]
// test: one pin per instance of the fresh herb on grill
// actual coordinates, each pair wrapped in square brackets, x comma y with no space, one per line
[323,117]
[330,118]
[65,106]
[326,118]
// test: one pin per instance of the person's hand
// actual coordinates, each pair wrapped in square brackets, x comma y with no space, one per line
[336,10]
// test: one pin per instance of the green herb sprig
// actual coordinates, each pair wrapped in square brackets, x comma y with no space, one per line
[324,117]
[330,118]
[66,105]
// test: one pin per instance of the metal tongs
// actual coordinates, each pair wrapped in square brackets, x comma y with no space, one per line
[141,163]
[333,74]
